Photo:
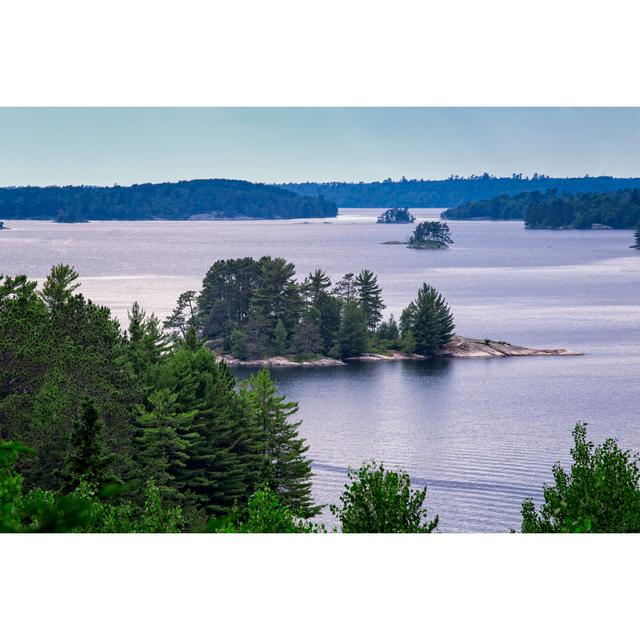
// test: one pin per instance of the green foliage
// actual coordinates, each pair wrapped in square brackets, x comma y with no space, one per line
[369,295]
[396,216]
[353,333]
[183,317]
[87,460]
[381,501]
[600,494]
[429,320]
[453,191]
[408,343]
[163,443]
[431,232]
[553,209]
[169,200]
[280,345]
[265,513]
[238,344]
[284,467]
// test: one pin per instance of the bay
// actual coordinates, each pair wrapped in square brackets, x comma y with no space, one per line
[481,434]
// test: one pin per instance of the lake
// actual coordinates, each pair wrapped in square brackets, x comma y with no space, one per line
[481,434]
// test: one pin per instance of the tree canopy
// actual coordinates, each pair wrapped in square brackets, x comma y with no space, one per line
[431,233]
[600,493]
[453,191]
[396,216]
[555,209]
[167,201]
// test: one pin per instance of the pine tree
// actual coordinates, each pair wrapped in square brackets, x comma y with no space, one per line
[165,434]
[285,468]
[280,339]
[87,460]
[223,451]
[352,337]
[316,284]
[345,289]
[184,316]
[429,319]
[637,236]
[307,340]
[59,286]
[369,295]
[146,342]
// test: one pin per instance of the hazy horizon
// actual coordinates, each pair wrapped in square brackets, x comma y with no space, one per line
[106,146]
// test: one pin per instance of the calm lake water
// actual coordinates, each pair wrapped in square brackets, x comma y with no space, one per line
[482,435]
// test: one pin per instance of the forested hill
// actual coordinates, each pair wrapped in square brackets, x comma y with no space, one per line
[450,192]
[551,209]
[168,200]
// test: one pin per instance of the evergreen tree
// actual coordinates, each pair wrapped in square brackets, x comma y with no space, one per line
[184,315]
[352,337]
[329,309]
[146,343]
[238,344]
[223,450]
[280,339]
[346,289]
[429,319]
[226,293]
[285,468]
[315,285]
[164,439]
[59,286]
[307,340]
[87,461]
[369,295]
[637,236]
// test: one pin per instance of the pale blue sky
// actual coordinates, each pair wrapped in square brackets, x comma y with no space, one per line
[104,146]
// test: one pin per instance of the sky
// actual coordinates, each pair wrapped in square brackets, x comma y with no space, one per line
[105,146]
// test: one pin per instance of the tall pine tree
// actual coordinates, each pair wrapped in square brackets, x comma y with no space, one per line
[429,320]
[285,468]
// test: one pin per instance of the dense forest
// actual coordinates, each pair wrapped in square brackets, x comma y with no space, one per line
[256,309]
[167,201]
[552,209]
[128,431]
[451,192]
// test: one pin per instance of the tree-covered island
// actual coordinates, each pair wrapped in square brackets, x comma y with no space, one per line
[396,216]
[557,210]
[430,235]
[184,200]
[255,311]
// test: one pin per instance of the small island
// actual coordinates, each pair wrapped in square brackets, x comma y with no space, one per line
[256,313]
[1,225]
[431,235]
[67,217]
[633,246]
[396,216]
[427,235]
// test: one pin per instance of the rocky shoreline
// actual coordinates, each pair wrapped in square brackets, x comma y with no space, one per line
[458,347]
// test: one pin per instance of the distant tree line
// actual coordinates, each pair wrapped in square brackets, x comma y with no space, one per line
[453,191]
[256,309]
[552,209]
[168,200]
